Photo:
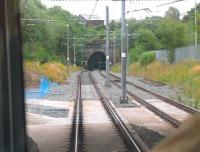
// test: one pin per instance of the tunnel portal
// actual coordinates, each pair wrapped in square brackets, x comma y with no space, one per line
[97,61]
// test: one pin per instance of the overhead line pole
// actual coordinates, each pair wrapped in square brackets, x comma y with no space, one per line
[124,98]
[75,38]
[68,48]
[195,34]
[107,83]
[74,51]
[127,45]
[114,53]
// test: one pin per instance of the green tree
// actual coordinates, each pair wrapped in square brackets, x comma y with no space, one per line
[147,39]
[42,40]
[172,34]
[114,25]
[172,13]
[189,19]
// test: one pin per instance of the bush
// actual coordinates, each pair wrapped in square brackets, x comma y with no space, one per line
[116,68]
[135,53]
[147,58]
[74,69]
[56,72]
[36,52]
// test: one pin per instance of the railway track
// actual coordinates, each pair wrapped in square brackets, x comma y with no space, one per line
[78,139]
[165,99]
[166,117]
[152,82]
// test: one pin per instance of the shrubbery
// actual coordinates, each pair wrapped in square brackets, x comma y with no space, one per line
[55,71]
[37,52]
[135,53]
[116,68]
[147,58]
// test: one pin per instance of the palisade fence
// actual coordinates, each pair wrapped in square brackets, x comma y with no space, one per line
[181,54]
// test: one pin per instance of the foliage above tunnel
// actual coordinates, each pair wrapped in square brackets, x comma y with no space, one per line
[45,32]
[46,41]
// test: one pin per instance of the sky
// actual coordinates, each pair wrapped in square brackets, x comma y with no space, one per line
[78,7]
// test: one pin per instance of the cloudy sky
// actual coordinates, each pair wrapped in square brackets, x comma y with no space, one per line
[87,6]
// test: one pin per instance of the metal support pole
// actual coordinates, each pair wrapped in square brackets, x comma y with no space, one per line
[114,53]
[81,55]
[195,34]
[107,83]
[68,47]
[74,51]
[127,63]
[123,53]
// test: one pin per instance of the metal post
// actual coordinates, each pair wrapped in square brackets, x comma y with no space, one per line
[81,55]
[127,63]
[123,53]
[74,51]
[195,34]
[107,83]
[68,47]
[114,53]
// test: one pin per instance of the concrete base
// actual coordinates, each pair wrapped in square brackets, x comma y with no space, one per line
[124,100]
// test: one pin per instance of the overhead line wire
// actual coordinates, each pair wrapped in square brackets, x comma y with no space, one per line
[169,3]
[93,9]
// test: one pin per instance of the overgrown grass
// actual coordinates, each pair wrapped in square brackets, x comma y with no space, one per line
[55,71]
[116,68]
[185,75]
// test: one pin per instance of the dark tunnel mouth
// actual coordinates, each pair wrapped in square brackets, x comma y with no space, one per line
[97,60]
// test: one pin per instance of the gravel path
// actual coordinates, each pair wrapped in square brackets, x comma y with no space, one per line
[65,92]
[113,93]
[88,91]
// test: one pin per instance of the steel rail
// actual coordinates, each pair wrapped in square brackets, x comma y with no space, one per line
[76,142]
[165,99]
[175,123]
[152,82]
[77,116]
[139,145]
